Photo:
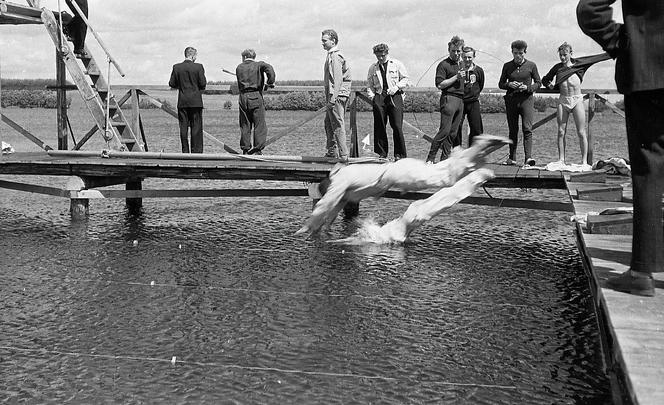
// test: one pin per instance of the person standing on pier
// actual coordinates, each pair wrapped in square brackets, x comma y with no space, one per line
[473,86]
[76,29]
[386,81]
[450,78]
[251,84]
[188,78]
[337,82]
[638,47]
[521,79]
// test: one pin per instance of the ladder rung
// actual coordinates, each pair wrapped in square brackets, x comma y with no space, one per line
[118,124]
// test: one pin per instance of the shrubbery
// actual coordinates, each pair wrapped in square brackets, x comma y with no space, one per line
[31,99]
[413,102]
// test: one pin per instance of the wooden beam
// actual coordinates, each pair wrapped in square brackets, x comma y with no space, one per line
[61,102]
[610,105]
[25,133]
[33,188]
[295,126]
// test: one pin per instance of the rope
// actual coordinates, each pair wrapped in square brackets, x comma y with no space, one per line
[174,361]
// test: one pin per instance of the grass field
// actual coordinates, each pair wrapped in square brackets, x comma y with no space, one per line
[608,130]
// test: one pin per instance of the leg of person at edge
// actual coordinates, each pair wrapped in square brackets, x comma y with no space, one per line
[75,28]
[386,81]
[189,79]
[521,79]
[473,86]
[638,46]
[450,78]
[251,83]
[337,82]
[570,101]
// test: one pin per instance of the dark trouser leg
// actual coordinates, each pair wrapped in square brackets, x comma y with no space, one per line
[645,135]
[260,126]
[472,111]
[459,136]
[456,106]
[395,116]
[77,27]
[245,123]
[512,111]
[527,115]
[183,119]
[196,122]
[380,121]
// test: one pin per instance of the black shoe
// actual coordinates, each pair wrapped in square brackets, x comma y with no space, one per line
[631,283]
[530,162]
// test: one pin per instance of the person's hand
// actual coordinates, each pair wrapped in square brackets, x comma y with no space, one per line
[461,75]
[550,86]
[392,91]
[514,85]
[522,87]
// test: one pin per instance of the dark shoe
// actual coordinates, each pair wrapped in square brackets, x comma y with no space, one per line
[343,159]
[245,151]
[509,162]
[398,157]
[530,162]
[632,283]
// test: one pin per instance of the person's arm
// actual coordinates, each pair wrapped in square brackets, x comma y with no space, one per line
[502,82]
[537,81]
[337,75]
[547,80]
[268,70]
[595,18]
[480,78]
[371,76]
[446,82]
[404,79]
[173,82]
[202,81]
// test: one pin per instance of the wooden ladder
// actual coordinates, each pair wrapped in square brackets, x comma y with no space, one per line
[95,91]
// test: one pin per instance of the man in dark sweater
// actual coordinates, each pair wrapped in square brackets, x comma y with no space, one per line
[76,29]
[189,78]
[521,79]
[251,84]
[449,78]
[638,46]
[473,86]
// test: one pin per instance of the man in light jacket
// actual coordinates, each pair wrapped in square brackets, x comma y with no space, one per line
[386,81]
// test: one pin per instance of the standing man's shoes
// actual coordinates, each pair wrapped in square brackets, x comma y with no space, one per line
[633,283]
[530,162]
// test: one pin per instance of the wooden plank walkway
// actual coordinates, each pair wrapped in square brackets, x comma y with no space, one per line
[225,167]
[633,326]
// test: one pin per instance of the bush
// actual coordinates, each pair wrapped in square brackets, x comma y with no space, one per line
[31,99]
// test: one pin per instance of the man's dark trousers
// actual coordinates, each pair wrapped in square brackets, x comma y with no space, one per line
[644,114]
[191,117]
[390,108]
[451,110]
[471,111]
[252,113]
[520,105]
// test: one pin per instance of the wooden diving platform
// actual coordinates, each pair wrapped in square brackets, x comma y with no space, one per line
[17,14]
[632,326]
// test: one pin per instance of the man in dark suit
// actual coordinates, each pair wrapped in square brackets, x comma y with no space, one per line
[638,46]
[189,78]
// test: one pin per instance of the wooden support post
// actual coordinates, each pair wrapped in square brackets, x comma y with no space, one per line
[134,205]
[79,208]
[591,115]
[354,145]
[61,100]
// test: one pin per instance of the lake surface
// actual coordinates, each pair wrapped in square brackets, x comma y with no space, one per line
[216,301]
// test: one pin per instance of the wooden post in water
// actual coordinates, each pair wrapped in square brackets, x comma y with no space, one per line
[591,115]
[134,205]
[352,209]
[79,208]
[61,100]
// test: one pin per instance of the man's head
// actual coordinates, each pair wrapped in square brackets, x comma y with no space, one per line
[190,53]
[565,52]
[519,50]
[454,47]
[248,54]
[468,55]
[329,39]
[381,51]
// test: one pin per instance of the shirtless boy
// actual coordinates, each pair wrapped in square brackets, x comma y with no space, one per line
[570,101]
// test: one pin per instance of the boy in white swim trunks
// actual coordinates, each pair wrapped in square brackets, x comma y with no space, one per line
[570,101]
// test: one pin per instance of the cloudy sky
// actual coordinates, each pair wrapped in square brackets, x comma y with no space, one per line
[148,36]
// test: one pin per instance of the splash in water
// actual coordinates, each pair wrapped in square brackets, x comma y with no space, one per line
[457,177]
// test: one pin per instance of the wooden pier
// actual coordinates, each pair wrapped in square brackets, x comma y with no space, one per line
[632,326]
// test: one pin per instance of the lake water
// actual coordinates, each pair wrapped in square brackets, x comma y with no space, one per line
[216,301]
